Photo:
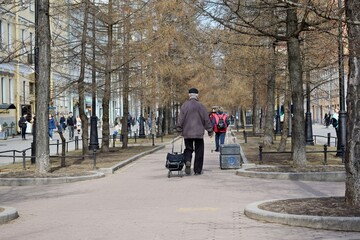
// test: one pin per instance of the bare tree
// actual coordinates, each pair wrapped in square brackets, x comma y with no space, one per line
[43,89]
[352,160]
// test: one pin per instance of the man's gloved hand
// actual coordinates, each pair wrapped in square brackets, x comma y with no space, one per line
[210,134]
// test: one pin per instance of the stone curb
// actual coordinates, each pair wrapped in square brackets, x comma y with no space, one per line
[8,214]
[44,181]
[119,165]
[306,176]
[318,222]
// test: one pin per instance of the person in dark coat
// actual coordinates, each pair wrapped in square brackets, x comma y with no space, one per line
[193,120]
[71,123]
[62,122]
[52,126]
[22,125]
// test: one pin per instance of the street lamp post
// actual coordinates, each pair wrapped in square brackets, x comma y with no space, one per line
[94,140]
[308,120]
[341,131]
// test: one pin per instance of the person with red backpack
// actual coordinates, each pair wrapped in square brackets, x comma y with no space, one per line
[220,125]
[212,114]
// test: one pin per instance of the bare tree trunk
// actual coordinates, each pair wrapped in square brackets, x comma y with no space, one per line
[296,81]
[256,109]
[81,85]
[270,108]
[106,98]
[43,89]
[352,156]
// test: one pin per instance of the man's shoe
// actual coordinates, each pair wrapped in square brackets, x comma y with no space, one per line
[188,167]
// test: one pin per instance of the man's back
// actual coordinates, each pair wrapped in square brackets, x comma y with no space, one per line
[193,119]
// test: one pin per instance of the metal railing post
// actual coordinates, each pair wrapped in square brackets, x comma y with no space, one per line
[76,143]
[328,139]
[153,139]
[24,164]
[260,152]
[13,156]
[57,147]
[342,153]
[325,154]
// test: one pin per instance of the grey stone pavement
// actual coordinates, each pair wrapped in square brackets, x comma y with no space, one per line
[140,202]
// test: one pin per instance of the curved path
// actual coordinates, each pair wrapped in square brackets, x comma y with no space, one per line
[139,202]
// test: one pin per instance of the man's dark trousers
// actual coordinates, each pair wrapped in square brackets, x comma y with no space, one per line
[199,152]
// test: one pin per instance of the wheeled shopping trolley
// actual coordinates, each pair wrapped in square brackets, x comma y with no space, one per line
[175,161]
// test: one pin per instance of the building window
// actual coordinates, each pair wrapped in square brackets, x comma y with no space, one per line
[9,36]
[1,35]
[11,92]
[32,88]
[3,91]
[23,39]
[31,5]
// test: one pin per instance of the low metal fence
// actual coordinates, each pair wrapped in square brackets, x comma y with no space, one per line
[22,154]
[325,152]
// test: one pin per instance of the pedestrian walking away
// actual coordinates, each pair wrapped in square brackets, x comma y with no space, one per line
[22,125]
[71,123]
[52,126]
[220,123]
[192,122]
[62,122]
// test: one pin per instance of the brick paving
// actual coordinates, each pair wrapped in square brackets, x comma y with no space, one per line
[140,202]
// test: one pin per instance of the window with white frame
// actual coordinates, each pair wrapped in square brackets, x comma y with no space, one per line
[1,35]
[31,5]
[9,43]
[23,39]
[3,91]
[11,92]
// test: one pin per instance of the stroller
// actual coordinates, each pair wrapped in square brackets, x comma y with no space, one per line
[175,161]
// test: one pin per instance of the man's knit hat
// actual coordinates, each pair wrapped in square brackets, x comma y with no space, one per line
[193,90]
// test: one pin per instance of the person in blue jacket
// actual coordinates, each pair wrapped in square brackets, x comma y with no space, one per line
[52,126]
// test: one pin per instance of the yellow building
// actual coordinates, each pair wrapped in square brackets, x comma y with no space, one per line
[17,40]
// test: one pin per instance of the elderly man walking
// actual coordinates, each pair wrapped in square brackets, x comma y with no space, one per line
[192,122]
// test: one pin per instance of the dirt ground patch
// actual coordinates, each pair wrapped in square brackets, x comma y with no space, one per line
[74,164]
[329,207]
[281,162]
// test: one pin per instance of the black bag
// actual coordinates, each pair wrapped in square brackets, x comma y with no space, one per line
[221,124]
[334,122]
[175,160]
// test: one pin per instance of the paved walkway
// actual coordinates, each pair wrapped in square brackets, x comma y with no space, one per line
[140,202]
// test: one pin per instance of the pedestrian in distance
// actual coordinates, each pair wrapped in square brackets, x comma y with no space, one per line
[220,123]
[213,113]
[52,126]
[78,124]
[327,119]
[335,120]
[193,120]
[22,125]
[62,122]
[71,123]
